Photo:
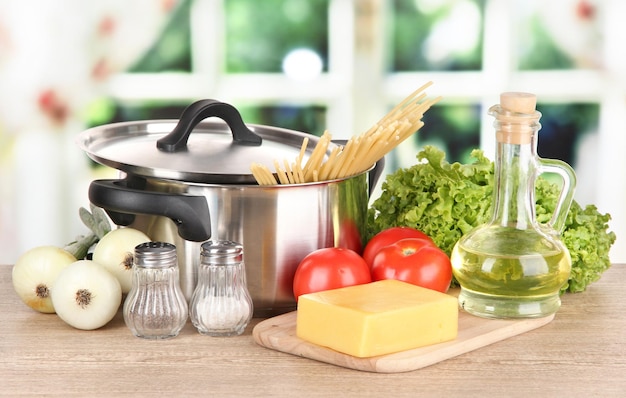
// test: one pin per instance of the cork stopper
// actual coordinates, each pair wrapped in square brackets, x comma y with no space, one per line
[518,119]
[518,102]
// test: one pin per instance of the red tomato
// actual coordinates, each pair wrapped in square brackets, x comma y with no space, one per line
[414,261]
[330,268]
[387,237]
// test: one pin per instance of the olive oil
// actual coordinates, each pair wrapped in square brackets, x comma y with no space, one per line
[513,274]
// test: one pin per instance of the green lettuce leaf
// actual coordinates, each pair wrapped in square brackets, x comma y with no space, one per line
[446,200]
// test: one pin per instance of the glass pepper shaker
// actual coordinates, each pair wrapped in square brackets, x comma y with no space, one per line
[221,304]
[155,307]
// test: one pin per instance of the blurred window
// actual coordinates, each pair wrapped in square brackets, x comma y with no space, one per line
[340,65]
[312,65]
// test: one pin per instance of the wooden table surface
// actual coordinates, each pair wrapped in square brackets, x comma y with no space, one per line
[582,353]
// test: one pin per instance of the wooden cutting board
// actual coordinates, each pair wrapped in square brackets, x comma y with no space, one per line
[279,333]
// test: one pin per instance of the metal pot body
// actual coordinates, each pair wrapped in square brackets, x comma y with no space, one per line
[277,226]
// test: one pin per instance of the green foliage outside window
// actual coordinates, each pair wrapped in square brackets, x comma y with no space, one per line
[416,28]
[259,34]
[172,52]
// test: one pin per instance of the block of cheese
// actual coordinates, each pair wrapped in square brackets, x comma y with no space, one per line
[377,318]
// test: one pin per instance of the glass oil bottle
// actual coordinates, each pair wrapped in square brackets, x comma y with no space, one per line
[514,266]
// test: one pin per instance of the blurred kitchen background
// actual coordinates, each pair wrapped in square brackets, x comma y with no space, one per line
[308,65]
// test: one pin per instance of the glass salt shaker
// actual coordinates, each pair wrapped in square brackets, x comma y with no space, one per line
[155,307]
[221,304]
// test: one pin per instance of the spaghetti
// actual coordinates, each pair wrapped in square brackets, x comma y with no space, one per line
[360,152]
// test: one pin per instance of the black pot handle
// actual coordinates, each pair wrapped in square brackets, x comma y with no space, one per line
[197,112]
[375,173]
[122,202]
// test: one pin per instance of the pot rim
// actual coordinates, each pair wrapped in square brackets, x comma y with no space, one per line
[254,185]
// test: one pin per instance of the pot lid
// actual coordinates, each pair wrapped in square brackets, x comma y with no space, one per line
[193,149]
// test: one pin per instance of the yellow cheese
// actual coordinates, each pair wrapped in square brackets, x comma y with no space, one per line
[377,318]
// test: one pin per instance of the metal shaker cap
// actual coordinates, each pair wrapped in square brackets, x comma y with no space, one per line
[155,255]
[221,252]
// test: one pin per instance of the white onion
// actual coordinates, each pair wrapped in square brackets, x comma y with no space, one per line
[86,295]
[35,272]
[115,252]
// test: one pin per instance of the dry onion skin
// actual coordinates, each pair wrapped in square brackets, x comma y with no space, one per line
[115,252]
[86,296]
[35,272]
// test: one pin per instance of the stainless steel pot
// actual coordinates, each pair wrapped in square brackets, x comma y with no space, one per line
[188,188]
